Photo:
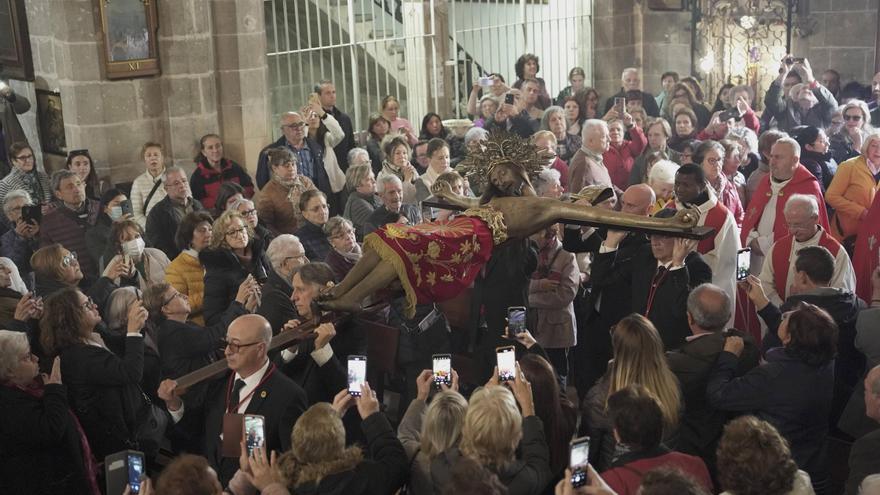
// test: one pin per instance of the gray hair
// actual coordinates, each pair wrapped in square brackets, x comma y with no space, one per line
[12,346]
[591,125]
[871,481]
[385,179]
[174,169]
[15,194]
[713,319]
[545,178]
[279,248]
[746,135]
[280,156]
[238,203]
[806,201]
[336,223]
[475,134]
[795,147]
[868,139]
[354,153]
[59,176]
[545,119]
[663,171]
[117,306]
[356,174]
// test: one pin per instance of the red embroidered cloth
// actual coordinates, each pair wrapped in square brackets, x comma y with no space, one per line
[434,261]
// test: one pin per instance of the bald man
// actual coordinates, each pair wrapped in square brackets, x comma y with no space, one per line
[605,304]
[863,457]
[254,386]
[708,311]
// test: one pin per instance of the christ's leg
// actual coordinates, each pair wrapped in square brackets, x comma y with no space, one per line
[358,272]
[352,299]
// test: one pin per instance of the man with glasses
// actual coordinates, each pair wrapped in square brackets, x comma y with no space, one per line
[67,224]
[11,106]
[764,222]
[309,154]
[254,386]
[802,220]
[286,254]
[165,217]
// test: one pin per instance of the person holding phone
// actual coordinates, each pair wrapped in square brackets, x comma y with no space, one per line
[806,102]
[512,116]
[20,242]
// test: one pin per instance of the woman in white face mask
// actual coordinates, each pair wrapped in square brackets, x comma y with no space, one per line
[145,266]
[114,206]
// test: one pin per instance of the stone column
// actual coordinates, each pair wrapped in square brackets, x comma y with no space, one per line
[242,78]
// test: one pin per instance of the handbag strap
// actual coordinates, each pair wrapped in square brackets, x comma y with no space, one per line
[152,192]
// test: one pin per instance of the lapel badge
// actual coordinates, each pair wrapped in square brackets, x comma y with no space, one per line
[263,394]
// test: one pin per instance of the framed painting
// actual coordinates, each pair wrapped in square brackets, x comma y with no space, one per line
[50,122]
[15,45]
[128,38]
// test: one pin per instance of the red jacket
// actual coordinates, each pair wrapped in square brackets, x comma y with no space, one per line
[619,161]
[205,180]
[625,479]
[803,182]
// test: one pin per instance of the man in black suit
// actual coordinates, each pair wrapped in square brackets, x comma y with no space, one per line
[286,254]
[661,276]
[255,386]
[708,310]
[863,457]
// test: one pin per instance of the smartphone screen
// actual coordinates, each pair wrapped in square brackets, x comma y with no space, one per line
[579,457]
[254,432]
[135,471]
[743,263]
[442,369]
[506,363]
[357,374]
[619,104]
[516,320]
[508,98]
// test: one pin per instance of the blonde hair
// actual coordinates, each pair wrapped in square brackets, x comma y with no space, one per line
[544,134]
[869,138]
[12,346]
[639,358]
[492,427]
[441,428]
[218,235]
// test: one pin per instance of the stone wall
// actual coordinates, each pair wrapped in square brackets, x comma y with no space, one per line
[209,50]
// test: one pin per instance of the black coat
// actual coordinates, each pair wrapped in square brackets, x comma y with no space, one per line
[162,223]
[383,470]
[321,383]
[701,425]
[863,461]
[275,304]
[224,273]
[40,448]
[278,399]
[103,392]
[823,166]
[668,309]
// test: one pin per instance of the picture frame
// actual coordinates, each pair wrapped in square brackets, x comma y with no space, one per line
[50,122]
[15,43]
[129,46]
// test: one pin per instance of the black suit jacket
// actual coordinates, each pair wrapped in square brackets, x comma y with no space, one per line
[275,305]
[863,461]
[321,383]
[279,399]
[701,425]
[668,311]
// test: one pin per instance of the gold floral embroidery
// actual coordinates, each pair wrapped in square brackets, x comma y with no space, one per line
[433,250]
[494,220]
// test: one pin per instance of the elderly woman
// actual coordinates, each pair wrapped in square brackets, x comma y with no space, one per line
[12,291]
[397,163]
[852,190]
[661,178]
[20,242]
[313,204]
[233,255]
[25,176]
[80,163]
[547,184]
[103,387]
[438,164]
[622,152]
[112,208]
[186,272]
[657,132]
[428,429]
[847,142]
[793,389]
[57,268]
[734,155]
[546,140]
[213,169]
[567,144]
[493,429]
[378,128]
[346,251]
[147,189]
[754,458]
[390,110]
[44,447]
[145,265]
[362,199]
[278,201]
[710,156]
[113,334]
[249,212]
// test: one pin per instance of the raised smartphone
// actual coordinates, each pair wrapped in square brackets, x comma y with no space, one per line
[578,459]
[254,432]
[516,320]
[357,374]
[743,263]
[442,369]
[506,363]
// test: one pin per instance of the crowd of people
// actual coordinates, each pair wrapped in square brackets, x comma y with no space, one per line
[720,365]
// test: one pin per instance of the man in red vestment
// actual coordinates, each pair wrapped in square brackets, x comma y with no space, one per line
[865,257]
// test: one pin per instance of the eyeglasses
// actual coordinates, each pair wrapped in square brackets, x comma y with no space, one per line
[295,257]
[24,158]
[68,259]
[247,213]
[855,118]
[342,233]
[713,161]
[237,232]
[235,346]
[175,295]
[89,304]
